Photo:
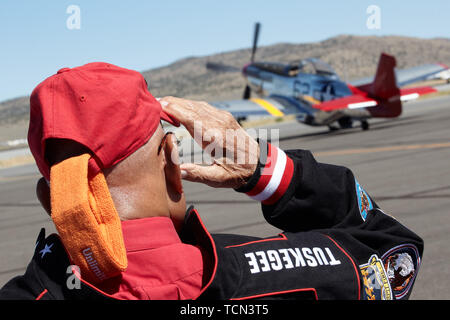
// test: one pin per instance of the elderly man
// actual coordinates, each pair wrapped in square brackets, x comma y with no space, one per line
[113,188]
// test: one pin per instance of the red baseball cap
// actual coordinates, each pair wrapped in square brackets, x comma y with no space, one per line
[106,108]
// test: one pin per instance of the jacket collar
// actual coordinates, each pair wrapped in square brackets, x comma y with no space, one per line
[194,232]
[137,237]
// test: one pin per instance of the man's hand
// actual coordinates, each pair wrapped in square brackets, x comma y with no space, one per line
[235,153]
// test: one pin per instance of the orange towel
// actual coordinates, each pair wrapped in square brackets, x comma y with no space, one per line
[86,219]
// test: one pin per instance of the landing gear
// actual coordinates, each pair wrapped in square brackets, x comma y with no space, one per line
[332,128]
[364,125]
[345,123]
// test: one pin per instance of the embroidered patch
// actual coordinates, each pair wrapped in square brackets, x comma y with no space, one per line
[375,280]
[401,264]
[364,202]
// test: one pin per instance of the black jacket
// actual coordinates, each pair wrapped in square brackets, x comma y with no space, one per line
[336,244]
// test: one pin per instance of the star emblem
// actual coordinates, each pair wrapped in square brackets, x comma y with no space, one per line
[46,250]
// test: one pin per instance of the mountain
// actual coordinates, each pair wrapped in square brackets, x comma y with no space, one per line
[351,56]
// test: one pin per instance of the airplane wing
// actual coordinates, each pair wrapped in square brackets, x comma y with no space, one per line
[249,108]
[276,106]
[362,100]
[411,75]
[350,102]
[419,73]
[279,106]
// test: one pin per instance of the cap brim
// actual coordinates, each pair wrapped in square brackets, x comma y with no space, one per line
[170,119]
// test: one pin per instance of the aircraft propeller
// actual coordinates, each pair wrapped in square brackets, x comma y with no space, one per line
[248,91]
[255,41]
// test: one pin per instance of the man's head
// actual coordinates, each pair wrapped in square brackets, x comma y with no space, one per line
[147,183]
[106,113]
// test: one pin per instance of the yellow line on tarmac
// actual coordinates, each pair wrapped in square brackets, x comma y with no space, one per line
[270,108]
[384,149]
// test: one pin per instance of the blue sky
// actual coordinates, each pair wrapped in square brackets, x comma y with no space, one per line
[35,40]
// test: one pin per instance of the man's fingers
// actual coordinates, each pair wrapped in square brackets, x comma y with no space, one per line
[218,133]
[182,110]
[189,112]
[211,175]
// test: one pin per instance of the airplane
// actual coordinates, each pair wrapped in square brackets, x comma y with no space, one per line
[312,91]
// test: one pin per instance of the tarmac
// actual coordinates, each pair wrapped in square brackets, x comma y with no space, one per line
[403,163]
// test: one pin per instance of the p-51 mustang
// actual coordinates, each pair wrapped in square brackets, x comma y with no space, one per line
[311,90]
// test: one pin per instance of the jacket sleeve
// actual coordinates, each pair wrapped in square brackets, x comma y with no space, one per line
[298,193]
[329,200]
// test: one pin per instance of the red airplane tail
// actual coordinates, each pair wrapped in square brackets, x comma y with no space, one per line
[384,89]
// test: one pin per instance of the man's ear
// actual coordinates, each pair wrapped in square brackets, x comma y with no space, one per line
[175,197]
[172,166]
[43,194]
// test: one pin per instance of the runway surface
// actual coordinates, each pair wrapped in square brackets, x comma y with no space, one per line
[403,163]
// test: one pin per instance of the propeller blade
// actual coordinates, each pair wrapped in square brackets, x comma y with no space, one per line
[247,93]
[255,41]
[221,67]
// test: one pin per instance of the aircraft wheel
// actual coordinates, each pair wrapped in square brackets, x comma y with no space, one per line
[345,123]
[364,125]
[332,128]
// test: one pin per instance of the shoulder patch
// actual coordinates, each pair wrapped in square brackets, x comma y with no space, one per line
[375,280]
[364,202]
[401,264]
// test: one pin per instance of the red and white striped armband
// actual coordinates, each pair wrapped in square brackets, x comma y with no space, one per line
[271,178]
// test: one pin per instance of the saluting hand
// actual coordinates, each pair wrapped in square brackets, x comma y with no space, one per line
[235,153]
